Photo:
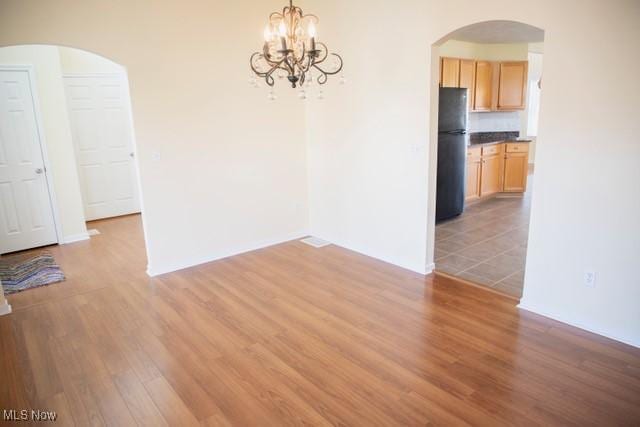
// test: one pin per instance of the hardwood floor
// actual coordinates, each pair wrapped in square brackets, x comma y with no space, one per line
[295,335]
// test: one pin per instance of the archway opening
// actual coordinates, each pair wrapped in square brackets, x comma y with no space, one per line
[73,110]
[486,89]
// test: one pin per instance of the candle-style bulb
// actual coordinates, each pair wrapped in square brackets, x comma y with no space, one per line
[267,34]
[312,30]
[282,29]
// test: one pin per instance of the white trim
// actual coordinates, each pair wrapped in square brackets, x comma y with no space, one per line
[5,308]
[429,269]
[578,324]
[424,269]
[114,74]
[33,86]
[157,271]
[75,238]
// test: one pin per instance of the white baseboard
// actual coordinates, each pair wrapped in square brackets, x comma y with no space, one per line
[157,270]
[75,238]
[578,324]
[5,308]
[420,269]
[429,269]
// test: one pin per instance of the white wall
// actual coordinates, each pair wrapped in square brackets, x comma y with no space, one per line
[57,133]
[75,61]
[222,168]
[485,51]
[369,147]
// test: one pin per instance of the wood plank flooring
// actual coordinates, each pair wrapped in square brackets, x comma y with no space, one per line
[293,335]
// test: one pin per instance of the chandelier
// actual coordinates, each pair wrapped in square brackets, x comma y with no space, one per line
[291,50]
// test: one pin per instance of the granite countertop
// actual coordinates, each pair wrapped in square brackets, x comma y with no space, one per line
[491,138]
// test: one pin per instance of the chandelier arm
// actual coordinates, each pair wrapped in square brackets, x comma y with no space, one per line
[324,75]
[324,50]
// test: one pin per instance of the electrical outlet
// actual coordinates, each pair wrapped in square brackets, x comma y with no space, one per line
[590,279]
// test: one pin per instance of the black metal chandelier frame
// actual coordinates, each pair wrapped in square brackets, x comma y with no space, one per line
[288,47]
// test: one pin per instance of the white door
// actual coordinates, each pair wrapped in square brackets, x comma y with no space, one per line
[103,139]
[26,215]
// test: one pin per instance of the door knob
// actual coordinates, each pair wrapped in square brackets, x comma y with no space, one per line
[39,170]
[131,155]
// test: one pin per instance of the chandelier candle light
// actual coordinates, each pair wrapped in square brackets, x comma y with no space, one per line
[291,49]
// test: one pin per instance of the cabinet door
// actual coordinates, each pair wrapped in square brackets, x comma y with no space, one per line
[516,167]
[512,86]
[491,181]
[483,86]
[449,72]
[472,189]
[468,78]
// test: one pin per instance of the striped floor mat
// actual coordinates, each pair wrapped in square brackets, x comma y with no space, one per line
[26,271]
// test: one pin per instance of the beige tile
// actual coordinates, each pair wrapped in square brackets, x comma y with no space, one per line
[518,251]
[454,263]
[508,261]
[491,273]
[443,233]
[482,251]
[516,279]
[475,279]
[508,289]
[439,253]
[451,245]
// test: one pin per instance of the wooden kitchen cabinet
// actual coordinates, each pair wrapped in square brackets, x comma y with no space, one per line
[474,171]
[496,168]
[512,86]
[467,79]
[449,72]
[491,179]
[493,86]
[483,90]
[516,168]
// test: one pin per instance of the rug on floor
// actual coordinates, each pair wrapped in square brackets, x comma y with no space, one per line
[26,271]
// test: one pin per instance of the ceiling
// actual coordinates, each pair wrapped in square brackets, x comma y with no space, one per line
[499,32]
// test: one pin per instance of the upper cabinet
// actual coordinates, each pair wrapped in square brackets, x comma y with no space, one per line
[468,78]
[493,86]
[512,87]
[483,92]
[449,72]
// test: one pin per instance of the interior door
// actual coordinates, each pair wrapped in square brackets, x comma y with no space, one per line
[101,127]
[26,214]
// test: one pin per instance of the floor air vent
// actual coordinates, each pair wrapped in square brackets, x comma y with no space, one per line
[315,242]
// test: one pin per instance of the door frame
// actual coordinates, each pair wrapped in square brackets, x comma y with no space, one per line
[53,201]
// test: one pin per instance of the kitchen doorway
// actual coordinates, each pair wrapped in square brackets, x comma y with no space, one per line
[485,152]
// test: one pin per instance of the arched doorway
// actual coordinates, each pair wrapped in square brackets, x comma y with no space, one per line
[484,101]
[75,118]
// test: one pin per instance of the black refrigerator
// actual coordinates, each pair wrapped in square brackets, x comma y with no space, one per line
[452,149]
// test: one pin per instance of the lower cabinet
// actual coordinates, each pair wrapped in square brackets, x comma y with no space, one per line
[491,181]
[497,168]
[474,172]
[515,172]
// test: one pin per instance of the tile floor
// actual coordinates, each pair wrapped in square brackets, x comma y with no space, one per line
[487,244]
